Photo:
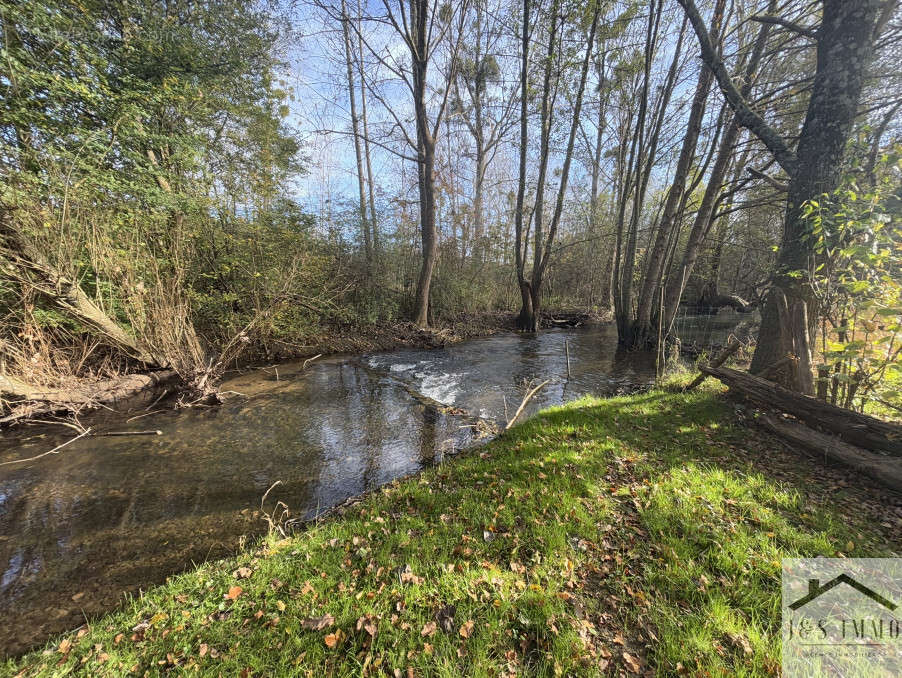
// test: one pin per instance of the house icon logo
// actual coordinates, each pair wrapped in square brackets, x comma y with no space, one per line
[841,617]
[815,590]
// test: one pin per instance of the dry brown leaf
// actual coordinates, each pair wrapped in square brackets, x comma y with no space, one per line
[428,629]
[466,629]
[65,646]
[631,662]
[234,592]
[331,640]
[203,649]
[243,573]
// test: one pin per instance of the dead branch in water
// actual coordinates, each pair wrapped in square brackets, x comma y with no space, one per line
[55,450]
[318,355]
[523,404]
[130,433]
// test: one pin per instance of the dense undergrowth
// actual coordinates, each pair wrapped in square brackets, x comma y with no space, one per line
[634,534]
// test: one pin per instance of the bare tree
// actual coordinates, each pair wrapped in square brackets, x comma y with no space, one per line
[531,289]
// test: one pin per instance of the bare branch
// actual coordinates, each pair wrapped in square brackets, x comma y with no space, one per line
[776,183]
[744,114]
[786,23]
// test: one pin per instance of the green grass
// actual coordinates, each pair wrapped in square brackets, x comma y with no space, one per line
[631,534]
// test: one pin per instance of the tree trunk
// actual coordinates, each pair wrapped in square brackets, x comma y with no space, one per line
[543,249]
[355,128]
[702,223]
[524,320]
[374,224]
[846,40]
[644,330]
[426,160]
[545,119]
[845,45]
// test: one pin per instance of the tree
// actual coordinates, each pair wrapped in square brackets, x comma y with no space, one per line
[845,40]
[531,288]
[486,117]
[358,136]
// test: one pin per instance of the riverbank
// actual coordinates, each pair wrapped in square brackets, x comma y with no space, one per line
[21,400]
[580,541]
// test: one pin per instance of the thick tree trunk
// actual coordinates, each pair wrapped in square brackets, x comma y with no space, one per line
[846,40]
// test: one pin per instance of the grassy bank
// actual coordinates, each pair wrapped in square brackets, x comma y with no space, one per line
[637,534]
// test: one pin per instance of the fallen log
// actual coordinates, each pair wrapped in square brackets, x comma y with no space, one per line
[34,400]
[884,469]
[853,427]
[731,348]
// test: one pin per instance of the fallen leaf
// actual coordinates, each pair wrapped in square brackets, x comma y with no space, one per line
[631,662]
[331,640]
[234,592]
[65,646]
[739,641]
[428,629]
[466,629]
[317,623]
[203,649]
[243,573]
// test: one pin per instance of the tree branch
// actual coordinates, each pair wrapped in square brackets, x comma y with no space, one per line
[786,23]
[744,114]
[776,183]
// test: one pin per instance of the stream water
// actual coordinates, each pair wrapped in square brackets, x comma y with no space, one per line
[111,515]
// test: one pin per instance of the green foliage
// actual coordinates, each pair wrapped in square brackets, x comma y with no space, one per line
[146,155]
[857,280]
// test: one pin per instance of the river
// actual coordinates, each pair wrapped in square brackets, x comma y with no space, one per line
[112,515]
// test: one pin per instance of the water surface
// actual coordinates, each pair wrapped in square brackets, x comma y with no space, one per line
[110,515]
